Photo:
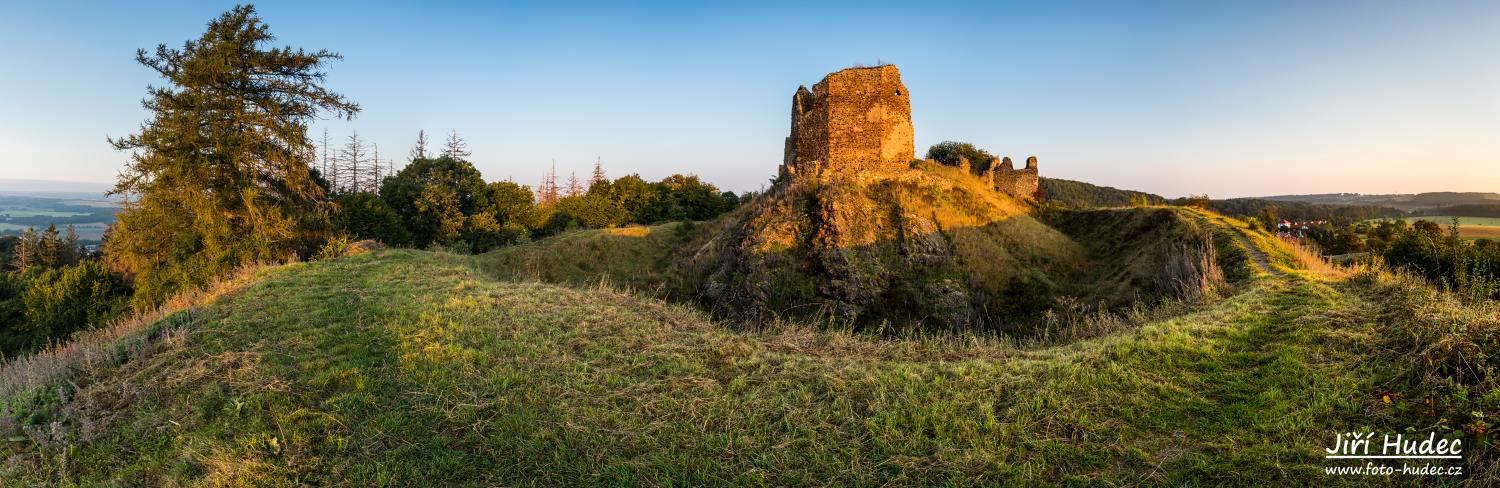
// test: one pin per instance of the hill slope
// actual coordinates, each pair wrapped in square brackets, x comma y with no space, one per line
[1079,194]
[401,367]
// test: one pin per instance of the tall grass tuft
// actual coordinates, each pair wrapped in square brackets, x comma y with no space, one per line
[1191,270]
[1307,258]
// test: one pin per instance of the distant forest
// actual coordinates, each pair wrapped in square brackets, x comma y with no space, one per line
[1302,211]
[1471,210]
[1078,194]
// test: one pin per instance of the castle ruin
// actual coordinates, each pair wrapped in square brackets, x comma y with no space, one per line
[1022,183]
[857,122]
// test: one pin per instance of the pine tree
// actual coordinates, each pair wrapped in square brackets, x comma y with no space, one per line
[598,175]
[71,252]
[419,150]
[49,248]
[456,147]
[219,175]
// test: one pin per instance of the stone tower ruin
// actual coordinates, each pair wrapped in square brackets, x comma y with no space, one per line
[855,122]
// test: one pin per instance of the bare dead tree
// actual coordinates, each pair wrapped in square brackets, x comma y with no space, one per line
[574,188]
[353,159]
[456,147]
[598,174]
[419,150]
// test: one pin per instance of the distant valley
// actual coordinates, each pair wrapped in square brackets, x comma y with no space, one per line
[89,217]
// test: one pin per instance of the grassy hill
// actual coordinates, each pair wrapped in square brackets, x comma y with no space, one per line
[403,367]
[1079,194]
[635,258]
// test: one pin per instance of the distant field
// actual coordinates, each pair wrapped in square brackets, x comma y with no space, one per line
[92,231]
[89,218]
[1470,227]
[27,212]
[94,203]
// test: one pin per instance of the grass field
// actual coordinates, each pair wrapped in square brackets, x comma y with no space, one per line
[1470,227]
[399,368]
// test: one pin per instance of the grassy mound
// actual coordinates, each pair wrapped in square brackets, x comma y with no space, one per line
[401,367]
[637,258]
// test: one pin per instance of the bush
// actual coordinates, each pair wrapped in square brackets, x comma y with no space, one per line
[1197,201]
[949,152]
[57,302]
[364,215]
[592,211]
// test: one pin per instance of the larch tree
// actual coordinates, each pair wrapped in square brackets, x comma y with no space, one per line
[219,175]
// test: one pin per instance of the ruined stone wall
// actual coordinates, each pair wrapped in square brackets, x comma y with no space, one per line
[1022,183]
[856,121]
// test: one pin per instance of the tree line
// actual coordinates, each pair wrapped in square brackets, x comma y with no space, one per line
[444,201]
[224,174]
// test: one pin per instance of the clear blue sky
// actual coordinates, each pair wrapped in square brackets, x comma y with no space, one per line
[1242,99]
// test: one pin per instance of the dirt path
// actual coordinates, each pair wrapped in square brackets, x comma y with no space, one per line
[1260,259]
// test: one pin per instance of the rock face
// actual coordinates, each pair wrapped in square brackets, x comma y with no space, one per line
[855,122]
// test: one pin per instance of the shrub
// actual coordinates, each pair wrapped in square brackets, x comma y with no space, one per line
[1198,201]
[592,211]
[57,302]
[364,215]
[949,152]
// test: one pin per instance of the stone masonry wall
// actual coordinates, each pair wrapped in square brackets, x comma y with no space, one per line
[1021,183]
[856,121]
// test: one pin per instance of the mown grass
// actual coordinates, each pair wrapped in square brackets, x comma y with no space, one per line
[401,368]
